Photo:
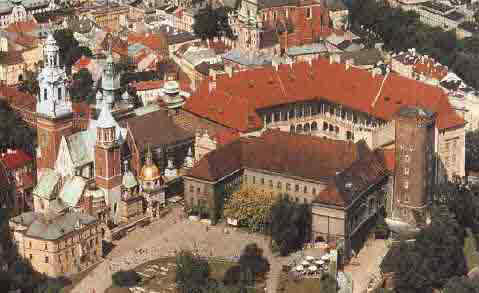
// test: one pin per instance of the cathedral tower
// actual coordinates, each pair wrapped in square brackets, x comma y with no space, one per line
[53,109]
[414,174]
[107,158]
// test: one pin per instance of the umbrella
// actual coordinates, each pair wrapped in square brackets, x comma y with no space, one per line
[305,263]
[325,257]
[309,258]
[299,268]
[319,262]
[313,268]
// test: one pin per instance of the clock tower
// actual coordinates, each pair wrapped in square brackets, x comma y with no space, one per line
[53,109]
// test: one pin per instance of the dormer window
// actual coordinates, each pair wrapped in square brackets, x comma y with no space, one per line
[309,12]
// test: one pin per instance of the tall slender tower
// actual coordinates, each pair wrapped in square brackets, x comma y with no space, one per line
[110,81]
[414,174]
[53,109]
[107,159]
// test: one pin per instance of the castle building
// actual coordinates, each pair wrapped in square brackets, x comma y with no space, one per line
[327,99]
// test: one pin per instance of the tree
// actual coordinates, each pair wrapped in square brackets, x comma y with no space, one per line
[435,256]
[290,224]
[125,278]
[461,285]
[70,50]
[252,260]
[14,132]
[29,83]
[192,272]
[210,23]
[250,206]
[472,150]
[327,283]
[81,85]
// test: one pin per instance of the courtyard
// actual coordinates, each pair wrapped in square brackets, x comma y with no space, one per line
[174,232]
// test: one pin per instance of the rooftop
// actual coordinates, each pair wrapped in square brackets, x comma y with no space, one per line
[379,96]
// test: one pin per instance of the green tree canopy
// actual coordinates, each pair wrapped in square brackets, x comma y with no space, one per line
[81,88]
[290,224]
[210,23]
[192,272]
[461,285]
[14,132]
[435,256]
[70,49]
[125,278]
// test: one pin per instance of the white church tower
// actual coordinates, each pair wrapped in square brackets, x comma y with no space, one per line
[53,99]
[110,81]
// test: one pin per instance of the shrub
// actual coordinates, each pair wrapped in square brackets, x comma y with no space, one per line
[192,272]
[125,278]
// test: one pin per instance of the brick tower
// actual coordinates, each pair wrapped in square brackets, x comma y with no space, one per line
[53,108]
[414,174]
[107,159]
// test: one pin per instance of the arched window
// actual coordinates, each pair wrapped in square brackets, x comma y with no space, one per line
[45,94]
[314,126]
[291,129]
[299,128]
[59,93]
[307,128]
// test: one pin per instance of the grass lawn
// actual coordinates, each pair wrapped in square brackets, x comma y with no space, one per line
[470,250]
[165,282]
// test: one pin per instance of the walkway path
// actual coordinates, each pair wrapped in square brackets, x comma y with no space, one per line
[366,264]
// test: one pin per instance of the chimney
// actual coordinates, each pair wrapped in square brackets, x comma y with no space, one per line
[229,70]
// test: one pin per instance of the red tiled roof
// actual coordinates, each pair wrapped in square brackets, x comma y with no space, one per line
[18,99]
[235,101]
[83,62]
[226,136]
[15,159]
[304,156]
[156,41]
[148,85]
[22,27]
[11,58]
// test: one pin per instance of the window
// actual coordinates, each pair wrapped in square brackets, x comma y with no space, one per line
[406,158]
[46,246]
[305,189]
[198,190]
[288,186]
[337,129]
[30,244]
[271,183]
[308,12]
[45,94]
[313,191]
[406,184]
[254,179]
[59,93]
[325,126]
[262,181]
[406,171]
[278,185]
[46,259]
[192,188]
[296,188]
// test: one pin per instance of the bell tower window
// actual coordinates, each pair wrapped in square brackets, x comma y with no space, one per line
[45,94]
[59,93]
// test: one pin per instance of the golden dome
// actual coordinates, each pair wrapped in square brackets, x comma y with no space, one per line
[150,173]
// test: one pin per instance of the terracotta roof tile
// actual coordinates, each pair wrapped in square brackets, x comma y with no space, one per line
[22,27]
[83,62]
[303,156]
[15,159]
[235,101]
[11,57]
[148,85]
